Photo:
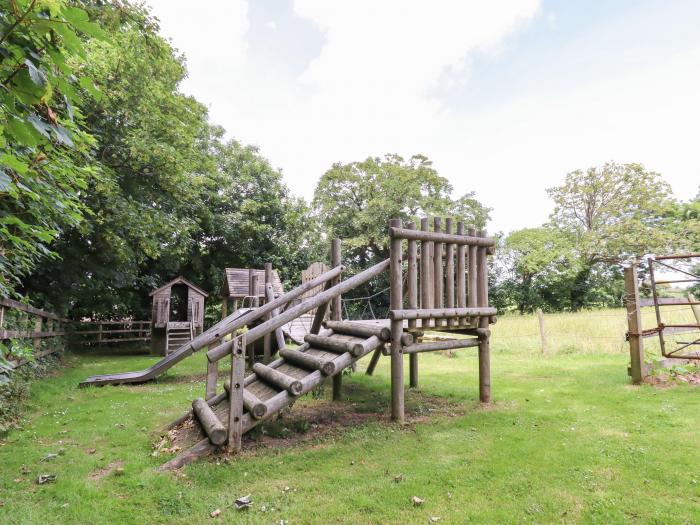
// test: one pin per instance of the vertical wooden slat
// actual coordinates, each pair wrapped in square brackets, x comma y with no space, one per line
[396,303]
[461,273]
[212,378]
[484,344]
[336,304]
[412,281]
[267,339]
[471,275]
[426,283]
[438,272]
[235,414]
[450,273]
[634,324]
[38,321]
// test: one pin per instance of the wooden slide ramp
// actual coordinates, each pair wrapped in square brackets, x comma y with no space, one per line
[270,388]
[141,376]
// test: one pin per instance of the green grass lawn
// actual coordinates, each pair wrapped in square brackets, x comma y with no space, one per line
[567,440]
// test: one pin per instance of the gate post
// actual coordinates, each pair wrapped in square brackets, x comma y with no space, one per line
[396,303]
[634,324]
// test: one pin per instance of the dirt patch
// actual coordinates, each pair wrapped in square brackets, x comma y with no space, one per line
[314,421]
[670,380]
[113,467]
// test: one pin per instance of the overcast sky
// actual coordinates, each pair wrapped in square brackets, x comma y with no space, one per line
[504,96]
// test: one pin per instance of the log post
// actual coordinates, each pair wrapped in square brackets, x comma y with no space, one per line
[543,336]
[210,423]
[425,280]
[224,306]
[634,324]
[212,378]
[396,303]
[461,273]
[373,362]
[412,278]
[472,275]
[267,339]
[484,344]
[438,272]
[235,397]
[336,303]
[450,272]
[253,292]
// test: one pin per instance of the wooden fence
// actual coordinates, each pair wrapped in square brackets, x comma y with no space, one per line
[22,322]
[29,323]
[101,332]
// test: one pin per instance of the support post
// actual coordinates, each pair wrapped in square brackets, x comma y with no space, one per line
[634,324]
[461,273]
[412,278]
[437,272]
[235,413]
[450,272]
[212,378]
[426,289]
[38,322]
[484,343]
[472,275]
[396,303]
[336,314]
[253,292]
[224,306]
[267,340]
[543,336]
[373,362]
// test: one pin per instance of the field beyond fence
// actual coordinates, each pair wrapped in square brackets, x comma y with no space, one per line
[590,331]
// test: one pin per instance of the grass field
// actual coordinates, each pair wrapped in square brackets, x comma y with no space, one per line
[567,440]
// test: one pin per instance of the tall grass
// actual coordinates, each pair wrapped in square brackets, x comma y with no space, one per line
[593,331]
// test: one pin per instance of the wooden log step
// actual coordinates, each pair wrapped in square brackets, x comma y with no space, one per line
[251,403]
[359,330]
[369,344]
[210,423]
[307,361]
[278,379]
[328,343]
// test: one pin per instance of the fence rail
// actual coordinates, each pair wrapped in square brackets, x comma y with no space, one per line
[121,331]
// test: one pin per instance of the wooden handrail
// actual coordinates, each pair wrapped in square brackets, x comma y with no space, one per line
[306,306]
[419,235]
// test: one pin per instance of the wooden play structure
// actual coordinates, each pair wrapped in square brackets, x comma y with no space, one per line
[177,315]
[246,287]
[443,286]
[684,351]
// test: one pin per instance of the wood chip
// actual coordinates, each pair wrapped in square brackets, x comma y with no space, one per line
[215,513]
[45,478]
[243,502]
[417,502]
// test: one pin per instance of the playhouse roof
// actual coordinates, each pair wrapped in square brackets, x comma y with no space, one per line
[236,283]
[180,280]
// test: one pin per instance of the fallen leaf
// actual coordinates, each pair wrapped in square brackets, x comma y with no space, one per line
[433,519]
[45,478]
[243,502]
[399,478]
[215,513]
[417,502]
[91,450]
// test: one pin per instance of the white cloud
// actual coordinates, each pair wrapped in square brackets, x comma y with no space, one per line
[377,81]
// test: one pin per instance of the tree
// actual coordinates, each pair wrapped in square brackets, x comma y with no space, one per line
[538,264]
[612,213]
[44,148]
[355,201]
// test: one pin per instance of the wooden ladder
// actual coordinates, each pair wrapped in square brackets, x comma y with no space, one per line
[270,388]
[178,334]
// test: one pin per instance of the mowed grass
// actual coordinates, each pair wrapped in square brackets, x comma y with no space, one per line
[567,440]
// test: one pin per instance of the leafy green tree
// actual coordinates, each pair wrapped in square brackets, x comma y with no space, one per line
[355,201]
[44,148]
[612,213]
[539,264]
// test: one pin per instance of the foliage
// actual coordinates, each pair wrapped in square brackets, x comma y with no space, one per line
[43,144]
[355,201]
[540,264]
[613,212]
[174,197]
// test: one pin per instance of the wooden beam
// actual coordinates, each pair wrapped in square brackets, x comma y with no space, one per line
[634,324]
[404,233]
[396,303]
